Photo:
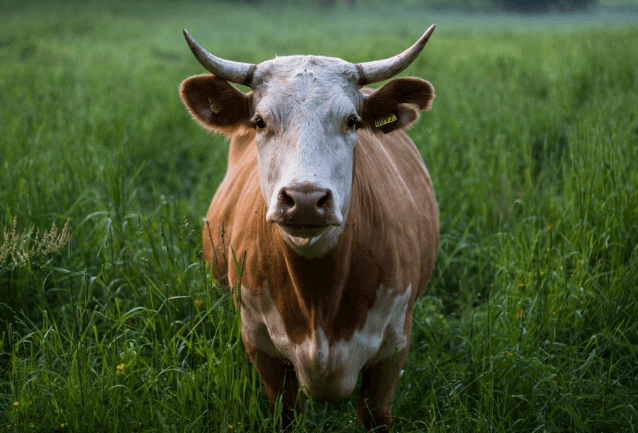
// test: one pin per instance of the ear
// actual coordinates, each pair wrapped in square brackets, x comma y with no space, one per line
[385,109]
[216,104]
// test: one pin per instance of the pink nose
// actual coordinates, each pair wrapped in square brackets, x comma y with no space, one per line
[305,204]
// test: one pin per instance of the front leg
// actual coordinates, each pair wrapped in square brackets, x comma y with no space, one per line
[374,407]
[279,379]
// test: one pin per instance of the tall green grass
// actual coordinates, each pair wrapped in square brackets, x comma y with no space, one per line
[529,322]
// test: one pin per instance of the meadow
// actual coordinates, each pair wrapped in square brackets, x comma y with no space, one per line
[110,322]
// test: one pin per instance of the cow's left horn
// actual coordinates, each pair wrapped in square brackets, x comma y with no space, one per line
[236,72]
[379,70]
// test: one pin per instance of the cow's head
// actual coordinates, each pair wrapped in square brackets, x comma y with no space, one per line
[305,112]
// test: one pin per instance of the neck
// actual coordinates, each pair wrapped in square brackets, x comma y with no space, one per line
[318,283]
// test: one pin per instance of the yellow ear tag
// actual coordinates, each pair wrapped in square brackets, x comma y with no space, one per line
[389,119]
[213,107]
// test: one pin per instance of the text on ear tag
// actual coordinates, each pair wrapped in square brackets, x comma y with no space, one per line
[384,121]
[213,107]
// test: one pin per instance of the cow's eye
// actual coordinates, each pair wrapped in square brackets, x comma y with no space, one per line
[352,121]
[259,123]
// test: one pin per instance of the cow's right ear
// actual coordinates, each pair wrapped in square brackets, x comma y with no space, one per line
[216,104]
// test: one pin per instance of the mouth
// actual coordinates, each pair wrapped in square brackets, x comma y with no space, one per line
[303,231]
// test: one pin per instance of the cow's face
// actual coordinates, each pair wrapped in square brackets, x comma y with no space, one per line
[305,112]
[306,115]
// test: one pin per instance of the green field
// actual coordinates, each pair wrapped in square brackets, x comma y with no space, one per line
[109,321]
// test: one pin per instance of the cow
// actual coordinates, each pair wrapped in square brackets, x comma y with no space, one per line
[330,209]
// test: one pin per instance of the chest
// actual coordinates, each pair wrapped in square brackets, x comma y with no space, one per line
[327,367]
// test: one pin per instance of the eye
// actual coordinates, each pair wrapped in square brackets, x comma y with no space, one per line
[259,123]
[352,121]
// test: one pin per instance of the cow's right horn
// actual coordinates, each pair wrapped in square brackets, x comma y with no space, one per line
[380,70]
[236,72]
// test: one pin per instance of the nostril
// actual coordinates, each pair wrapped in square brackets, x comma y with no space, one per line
[286,199]
[325,200]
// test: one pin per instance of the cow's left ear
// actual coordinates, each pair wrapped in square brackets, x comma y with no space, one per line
[396,105]
[216,104]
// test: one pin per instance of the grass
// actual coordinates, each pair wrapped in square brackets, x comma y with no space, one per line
[530,322]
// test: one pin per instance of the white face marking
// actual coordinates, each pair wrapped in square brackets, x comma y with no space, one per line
[305,103]
[327,372]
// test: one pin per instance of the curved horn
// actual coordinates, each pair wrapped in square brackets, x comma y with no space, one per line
[236,72]
[379,70]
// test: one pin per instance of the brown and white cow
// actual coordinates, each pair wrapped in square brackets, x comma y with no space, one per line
[332,206]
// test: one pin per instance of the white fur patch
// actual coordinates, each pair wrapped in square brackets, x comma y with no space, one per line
[327,371]
[306,101]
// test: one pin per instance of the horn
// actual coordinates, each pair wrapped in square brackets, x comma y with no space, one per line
[236,72]
[379,70]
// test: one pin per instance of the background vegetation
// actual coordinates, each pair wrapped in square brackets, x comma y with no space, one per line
[109,321]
